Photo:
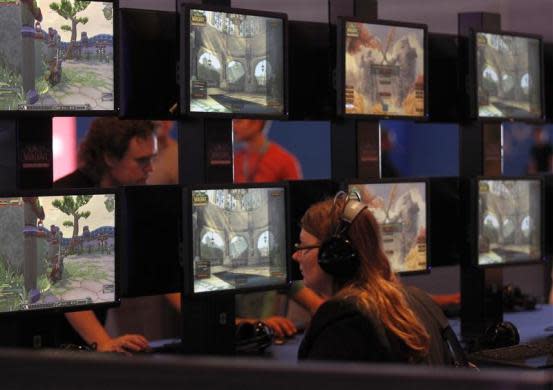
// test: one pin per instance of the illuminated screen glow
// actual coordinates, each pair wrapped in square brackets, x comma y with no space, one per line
[236,63]
[509,221]
[56,251]
[52,63]
[239,238]
[384,70]
[400,210]
[508,76]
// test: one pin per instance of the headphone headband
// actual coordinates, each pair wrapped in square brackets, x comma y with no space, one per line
[352,209]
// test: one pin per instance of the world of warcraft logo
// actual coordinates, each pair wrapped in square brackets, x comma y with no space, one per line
[198,18]
[35,156]
[200,198]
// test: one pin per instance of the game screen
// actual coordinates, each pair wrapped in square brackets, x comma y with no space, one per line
[400,209]
[236,63]
[239,238]
[56,55]
[56,251]
[509,221]
[384,70]
[509,76]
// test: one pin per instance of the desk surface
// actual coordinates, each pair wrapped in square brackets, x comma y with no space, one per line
[531,325]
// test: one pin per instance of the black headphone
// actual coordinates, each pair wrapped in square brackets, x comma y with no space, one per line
[337,256]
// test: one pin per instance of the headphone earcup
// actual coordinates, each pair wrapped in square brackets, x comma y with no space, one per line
[337,257]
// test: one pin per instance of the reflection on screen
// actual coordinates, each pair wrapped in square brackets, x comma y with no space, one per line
[384,70]
[236,63]
[508,74]
[56,55]
[509,221]
[400,209]
[56,251]
[239,238]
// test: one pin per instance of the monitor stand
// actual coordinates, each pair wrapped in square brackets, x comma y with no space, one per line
[208,324]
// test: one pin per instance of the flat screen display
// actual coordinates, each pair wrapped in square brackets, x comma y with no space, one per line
[384,70]
[56,55]
[238,238]
[56,251]
[509,221]
[401,211]
[508,76]
[236,63]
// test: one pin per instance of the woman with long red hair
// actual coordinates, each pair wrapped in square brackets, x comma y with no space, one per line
[369,315]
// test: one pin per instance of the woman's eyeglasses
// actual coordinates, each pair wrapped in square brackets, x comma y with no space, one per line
[305,248]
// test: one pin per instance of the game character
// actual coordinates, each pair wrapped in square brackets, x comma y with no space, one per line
[29,13]
[87,238]
[55,257]
[53,58]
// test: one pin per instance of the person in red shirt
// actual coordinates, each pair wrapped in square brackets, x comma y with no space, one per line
[258,159]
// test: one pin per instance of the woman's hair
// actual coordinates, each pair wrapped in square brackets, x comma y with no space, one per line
[109,136]
[374,287]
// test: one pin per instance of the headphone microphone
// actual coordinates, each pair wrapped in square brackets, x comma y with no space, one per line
[337,256]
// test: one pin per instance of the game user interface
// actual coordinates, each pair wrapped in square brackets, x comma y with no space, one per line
[236,63]
[509,223]
[400,210]
[508,76]
[384,70]
[238,238]
[56,55]
[56,251]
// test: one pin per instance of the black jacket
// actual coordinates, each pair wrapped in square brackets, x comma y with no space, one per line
[339,331]
[76,179]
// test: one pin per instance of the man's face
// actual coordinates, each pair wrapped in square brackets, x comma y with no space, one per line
[136,164]
[246,129]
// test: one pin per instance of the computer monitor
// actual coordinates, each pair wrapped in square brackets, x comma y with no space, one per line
[235,238]
[382,69]
[509,221]
[147,68]
[509,76]
[58,250]
[56,56]
[234,62]
[401,209]
[152,234]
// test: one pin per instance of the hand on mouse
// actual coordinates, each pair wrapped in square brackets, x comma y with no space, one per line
[124,344]
[281,326]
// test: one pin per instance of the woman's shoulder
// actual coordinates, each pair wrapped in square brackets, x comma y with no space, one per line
[335,310]
[339,330]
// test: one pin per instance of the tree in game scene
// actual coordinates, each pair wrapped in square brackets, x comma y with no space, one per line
[109,202]
[108,11]
[70,205]
[68,10]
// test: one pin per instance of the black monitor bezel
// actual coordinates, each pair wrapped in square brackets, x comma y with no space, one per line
[169,115]
[474,77]
[341,66]
[117,249]
[428,268]
[184,67]
[187,253]
[474,230]
[7,114]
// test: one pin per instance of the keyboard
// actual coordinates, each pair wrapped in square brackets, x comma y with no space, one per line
[536,354]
